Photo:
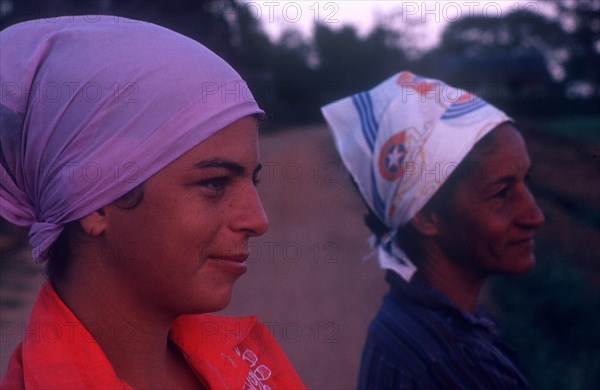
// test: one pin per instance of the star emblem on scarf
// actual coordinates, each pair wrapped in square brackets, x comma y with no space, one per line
[395,156]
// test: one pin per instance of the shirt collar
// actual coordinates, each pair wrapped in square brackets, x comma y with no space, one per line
[58,351]
[423,294]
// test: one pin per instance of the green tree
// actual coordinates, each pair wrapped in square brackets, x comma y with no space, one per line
[350,64]
[582,20]
[505,58]
[209,22]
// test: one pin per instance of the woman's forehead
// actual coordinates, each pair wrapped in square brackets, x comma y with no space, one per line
[236,143]
[502,154]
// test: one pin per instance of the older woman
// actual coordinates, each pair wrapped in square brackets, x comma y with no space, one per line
[443,174]
[131,153]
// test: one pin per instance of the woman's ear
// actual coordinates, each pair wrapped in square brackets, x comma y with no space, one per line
[426,222]
[94,224]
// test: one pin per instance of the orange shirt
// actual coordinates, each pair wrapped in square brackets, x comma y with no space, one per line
[227,353]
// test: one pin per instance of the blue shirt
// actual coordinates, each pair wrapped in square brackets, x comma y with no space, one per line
[419,339]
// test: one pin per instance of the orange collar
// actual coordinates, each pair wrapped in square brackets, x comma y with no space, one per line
[58,352]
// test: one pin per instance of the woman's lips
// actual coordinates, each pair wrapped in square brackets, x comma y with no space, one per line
[522,241]
[526,244]
[233,264]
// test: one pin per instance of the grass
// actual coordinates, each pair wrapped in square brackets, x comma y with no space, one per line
[551,317]
[584,128]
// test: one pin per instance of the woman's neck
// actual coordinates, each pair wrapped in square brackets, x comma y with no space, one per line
[459,284]
[134,339]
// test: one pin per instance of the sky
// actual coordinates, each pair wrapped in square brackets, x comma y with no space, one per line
[431,15]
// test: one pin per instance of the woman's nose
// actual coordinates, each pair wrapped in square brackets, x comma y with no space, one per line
[531,215]
[251,217]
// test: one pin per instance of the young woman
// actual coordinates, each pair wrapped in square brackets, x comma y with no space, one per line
[443,174]
[131,153]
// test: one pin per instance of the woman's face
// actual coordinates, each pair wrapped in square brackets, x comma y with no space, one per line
[183,247]
[489,226]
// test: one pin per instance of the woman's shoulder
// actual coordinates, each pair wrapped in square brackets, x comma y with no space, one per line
[234,350]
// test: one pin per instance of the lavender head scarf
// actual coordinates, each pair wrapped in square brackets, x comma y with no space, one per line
[92,106]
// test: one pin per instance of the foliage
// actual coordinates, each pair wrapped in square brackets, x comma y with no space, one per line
[551,317]
[201,20]
[521,60]
[583,128]
[505,60]
[582,19]
[353,64]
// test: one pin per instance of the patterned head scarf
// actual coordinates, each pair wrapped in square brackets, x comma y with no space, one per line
[400,141]
[92,106]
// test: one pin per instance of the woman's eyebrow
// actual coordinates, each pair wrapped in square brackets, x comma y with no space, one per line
[512,177]
[232,166]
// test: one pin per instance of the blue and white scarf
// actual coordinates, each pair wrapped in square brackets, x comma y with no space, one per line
[400,141]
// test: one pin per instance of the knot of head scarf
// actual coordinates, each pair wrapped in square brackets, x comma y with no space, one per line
[92,106]
[400,141]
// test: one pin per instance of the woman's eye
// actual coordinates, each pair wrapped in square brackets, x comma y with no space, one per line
[215,184]
[503,193]
[256,180]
